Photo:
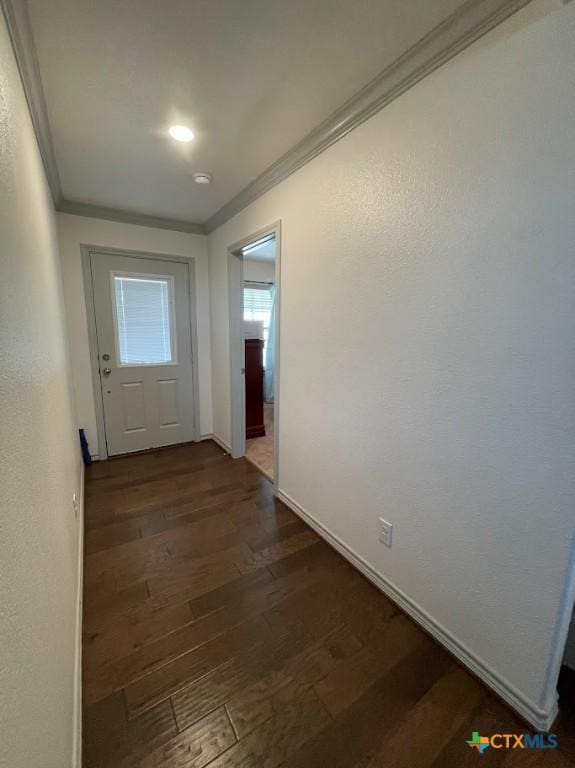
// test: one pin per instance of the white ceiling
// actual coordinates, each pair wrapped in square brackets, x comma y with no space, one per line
[251,77]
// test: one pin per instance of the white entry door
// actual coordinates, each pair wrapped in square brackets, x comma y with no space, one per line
[143,326]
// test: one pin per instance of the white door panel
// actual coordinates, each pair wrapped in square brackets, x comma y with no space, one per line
[133,405]
[169,405]
[143,327]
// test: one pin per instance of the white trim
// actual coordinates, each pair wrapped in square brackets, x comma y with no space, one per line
[77,736]
[277,361]
[22,38]
[540,718]
[77,208]
[93,351]
[237,351]
[561,633]
[465,25]
[86,252]
[223,445]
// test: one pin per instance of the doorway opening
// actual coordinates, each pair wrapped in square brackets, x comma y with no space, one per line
[254,271]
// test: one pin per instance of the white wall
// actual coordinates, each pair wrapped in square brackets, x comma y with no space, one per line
[74,231]
[430,377]
[39,458]
[259,271]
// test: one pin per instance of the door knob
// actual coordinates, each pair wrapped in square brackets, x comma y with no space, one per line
[107,371]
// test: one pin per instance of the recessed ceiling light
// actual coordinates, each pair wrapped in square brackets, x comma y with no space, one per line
[181,133]
[202,178]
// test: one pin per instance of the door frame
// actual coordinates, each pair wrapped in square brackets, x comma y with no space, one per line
[87,251]
[237,350]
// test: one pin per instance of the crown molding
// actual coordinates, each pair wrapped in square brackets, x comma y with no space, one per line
[20,31]
[22,39]
[78,208]
[472,20]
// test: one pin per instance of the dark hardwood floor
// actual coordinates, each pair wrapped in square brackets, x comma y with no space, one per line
[220,630]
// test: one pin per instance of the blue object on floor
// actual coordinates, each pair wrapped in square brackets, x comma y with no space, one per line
[85,451]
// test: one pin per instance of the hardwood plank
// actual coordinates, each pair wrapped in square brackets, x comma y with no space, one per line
[127,563]
[356,732]
[223,495]
[263,537]
[316,607]
[269,745]
[220,631]
[238,589]
[535,758]
[122,635]
[103,599]
[253,704]
[193,748]
[319,556]
[164,682]
[564,726]
[100,681]
[241,671]
[264,701]
[491,716]
[282,549]
[210,691]
[366,609]
[421,735]
[109,736]
[190,578]
[155,553]
[349,681]
[111,535]
[156,522]
[255,591]
[343,643]
[219,611]
[256,511]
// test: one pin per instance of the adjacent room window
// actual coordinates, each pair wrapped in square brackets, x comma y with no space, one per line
[144,319]
[258,306]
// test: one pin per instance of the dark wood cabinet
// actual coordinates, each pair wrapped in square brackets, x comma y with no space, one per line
[254,379]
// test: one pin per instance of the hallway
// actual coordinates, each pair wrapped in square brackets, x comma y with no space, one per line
[220,630]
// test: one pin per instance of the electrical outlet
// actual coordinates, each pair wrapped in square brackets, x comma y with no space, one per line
[385,531]
[75,504]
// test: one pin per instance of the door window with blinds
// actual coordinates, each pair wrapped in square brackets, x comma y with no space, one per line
[144,320]
[258,306]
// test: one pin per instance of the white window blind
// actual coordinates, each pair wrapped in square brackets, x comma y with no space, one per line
[258,306]
[144,320]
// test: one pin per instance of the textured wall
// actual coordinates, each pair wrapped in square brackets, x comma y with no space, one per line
[427,341]
[73,231]
[39,457]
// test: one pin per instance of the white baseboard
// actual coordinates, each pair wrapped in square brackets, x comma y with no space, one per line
[539,718]
[77,742]
[223,445]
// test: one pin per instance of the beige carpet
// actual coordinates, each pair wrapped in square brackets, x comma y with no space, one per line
[260,450]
